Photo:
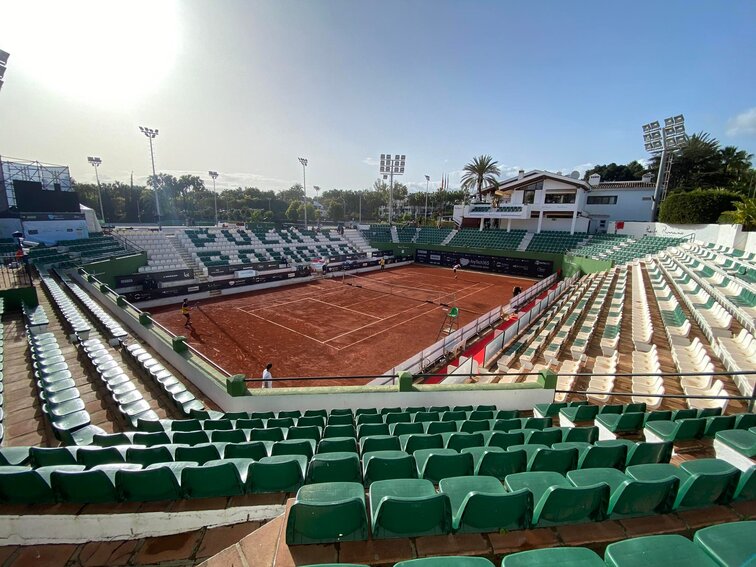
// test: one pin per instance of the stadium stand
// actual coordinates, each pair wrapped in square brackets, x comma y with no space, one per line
[73,253]
[556,241]
[473,238]
[430,235]
[161,254]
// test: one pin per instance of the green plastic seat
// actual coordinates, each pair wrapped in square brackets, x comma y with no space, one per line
[232,436]
[93,456]
[338,445]
[334,467]
[190,437]
[703,482]
[548,410]
[496,462]
[543,458]
[506,424]
[284,473]
[557,501]
[629,497]
[535,422]
[14,456]
[629,422]
[481,504]
[568,556]
[272,434]
[198,453]
[272,415]
[366,411]
[220,425]
[304,432]
[458,415]
[379,443]
[150,439]
[459,441]
[742,441]
[251,423]
[580,434]
[441,427]
[326,513]
[657,415]
[577,414]
[728,544]
[308,420]
[435,464]
[481,415]
[439,409]
[316,412]
[397,417]
[667,550]
[717,423]
[146,456]
[372,429]
[547,436]
[340,419]
[611,409]
[403,428]
[52,456]
[745,420]
[339,431]
[222,477]
[369,419]
[506,414]
[386,465]
[408,508]
[643,452]
[746,489]
[304,447]
[425,416]
[156,482]
[597,456]
[23,485]
[416,441]
[709,412]
[678,430]
[475,425]
[254,450]
[503,439]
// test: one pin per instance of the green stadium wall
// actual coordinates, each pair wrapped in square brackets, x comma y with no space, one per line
[580,264]
[13,298]
[410,247]
[107,270]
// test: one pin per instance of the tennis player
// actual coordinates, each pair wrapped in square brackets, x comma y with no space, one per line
[186,313]
[455,267]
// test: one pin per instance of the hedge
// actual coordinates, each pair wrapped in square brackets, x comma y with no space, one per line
[703,206]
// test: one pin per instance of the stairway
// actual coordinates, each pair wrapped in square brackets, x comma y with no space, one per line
[452,234]
[394,235]
[195,266]
[525,241]
[355,238]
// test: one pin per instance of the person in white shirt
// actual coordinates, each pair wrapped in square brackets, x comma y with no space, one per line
[267,376]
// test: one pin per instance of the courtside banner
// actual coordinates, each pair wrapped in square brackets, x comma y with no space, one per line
[526,267]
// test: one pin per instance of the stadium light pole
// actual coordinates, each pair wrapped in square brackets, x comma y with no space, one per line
[3,65]
[151,135]
[303,161]
[427,184]
[390,167]
[664,142]
[96,162]
[360,194]
[214,175]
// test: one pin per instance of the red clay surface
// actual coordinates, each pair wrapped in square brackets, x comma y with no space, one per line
[327,328]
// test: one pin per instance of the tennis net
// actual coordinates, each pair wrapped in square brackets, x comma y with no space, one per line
[435,296]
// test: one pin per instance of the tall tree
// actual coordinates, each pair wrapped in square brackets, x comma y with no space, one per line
[482,169]
[632,171]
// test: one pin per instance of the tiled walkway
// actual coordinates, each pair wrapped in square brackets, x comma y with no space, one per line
[180,550]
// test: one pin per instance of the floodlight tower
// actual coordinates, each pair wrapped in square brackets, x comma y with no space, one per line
[96,162]
[214,175]
[303,161]
[664,142]
[427,184]
[3,65]
[151,135]
[389,168]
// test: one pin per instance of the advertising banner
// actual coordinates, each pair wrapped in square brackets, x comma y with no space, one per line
[526,267]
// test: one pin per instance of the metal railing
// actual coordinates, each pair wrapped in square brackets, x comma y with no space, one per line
[137,312]
[15,272]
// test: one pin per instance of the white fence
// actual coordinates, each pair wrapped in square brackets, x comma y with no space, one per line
[437,351]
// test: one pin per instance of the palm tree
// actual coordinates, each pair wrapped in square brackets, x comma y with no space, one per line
[735,162]
[482,169]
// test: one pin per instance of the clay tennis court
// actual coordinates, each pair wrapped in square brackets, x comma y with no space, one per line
[335,327]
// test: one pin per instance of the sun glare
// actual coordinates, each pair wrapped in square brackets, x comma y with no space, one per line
[99,51]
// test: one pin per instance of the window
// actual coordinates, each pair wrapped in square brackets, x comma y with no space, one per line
[608,200]
[529,197]
[559,198]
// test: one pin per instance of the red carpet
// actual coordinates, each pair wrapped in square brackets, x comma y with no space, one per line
[477,350]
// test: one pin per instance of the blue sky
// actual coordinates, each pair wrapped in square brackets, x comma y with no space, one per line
[246,87]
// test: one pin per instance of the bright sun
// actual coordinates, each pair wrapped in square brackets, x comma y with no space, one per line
[99,51]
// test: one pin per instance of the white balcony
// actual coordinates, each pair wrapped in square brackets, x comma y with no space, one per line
[505,211]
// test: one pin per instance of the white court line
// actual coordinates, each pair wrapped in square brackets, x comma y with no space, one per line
[395,315]
[334,306]
[393,326]
[287,328]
